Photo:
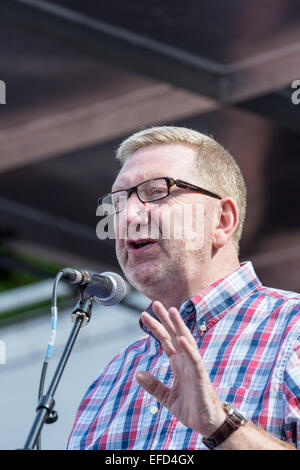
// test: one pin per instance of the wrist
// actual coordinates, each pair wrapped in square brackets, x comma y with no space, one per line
[216,422]
[232,422]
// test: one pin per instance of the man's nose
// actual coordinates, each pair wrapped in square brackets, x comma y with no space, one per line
[136,210]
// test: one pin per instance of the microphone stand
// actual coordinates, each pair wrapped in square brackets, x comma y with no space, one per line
[45,412]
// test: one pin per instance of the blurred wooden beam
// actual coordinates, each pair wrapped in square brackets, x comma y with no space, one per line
[273,68]
[263,73]
[2,92]
[32,225]
[276,107]
[95,123]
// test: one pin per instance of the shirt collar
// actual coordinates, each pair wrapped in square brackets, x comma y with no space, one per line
[212,303]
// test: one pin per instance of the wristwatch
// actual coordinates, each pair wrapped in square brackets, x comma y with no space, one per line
[233,421]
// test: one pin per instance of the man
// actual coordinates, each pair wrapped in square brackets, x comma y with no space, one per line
[214,333]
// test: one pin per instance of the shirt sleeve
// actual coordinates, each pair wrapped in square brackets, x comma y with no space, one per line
[291,395]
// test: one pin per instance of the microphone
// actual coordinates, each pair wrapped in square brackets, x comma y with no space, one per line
[107,288]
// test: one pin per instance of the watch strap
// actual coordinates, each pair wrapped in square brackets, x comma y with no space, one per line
[233,421]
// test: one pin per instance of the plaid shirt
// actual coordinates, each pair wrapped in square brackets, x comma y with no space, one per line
[249,340]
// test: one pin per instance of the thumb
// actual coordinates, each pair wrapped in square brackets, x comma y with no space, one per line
[153,386]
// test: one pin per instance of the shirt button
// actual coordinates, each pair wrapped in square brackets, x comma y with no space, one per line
[202,327]
[153,409]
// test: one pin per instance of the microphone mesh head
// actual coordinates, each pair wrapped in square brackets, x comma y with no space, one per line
[118,292]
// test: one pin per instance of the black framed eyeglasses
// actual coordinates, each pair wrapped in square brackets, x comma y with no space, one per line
[148,191]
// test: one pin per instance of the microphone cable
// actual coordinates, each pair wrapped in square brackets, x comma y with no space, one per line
[116,294]
[50,345]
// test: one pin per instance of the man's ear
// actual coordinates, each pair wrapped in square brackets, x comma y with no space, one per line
[226,223]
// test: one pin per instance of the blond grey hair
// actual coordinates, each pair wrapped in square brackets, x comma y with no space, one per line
[213,162]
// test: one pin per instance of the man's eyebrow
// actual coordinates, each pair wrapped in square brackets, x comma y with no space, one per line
[121,186]
[118,187]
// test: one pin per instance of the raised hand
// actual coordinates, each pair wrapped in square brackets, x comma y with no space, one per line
[192,398]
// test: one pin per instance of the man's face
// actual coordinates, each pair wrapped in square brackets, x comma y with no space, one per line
[169,255]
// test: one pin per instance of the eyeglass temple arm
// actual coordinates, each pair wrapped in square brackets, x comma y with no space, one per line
[183,184]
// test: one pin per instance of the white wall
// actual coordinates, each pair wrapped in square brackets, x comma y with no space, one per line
[109,330]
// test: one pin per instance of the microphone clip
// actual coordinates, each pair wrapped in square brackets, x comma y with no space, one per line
[83,310]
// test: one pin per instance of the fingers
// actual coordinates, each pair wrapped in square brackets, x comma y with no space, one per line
[186,340]
[153,386]
[191,352]
[162,328]
[168,328]
[180,327]
[173,323]
[165,320]
[160,333]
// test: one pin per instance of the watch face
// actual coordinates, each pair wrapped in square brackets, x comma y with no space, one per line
[230,410]
[235,419]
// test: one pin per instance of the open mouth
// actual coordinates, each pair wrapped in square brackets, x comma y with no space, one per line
[139,244]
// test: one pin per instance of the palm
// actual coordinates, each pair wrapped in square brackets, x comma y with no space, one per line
[191,399]
[180,398]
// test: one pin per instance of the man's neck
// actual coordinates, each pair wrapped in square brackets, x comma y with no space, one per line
[182,289]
